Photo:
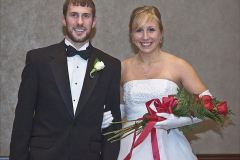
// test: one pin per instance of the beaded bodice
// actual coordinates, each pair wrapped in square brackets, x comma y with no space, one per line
[138,92]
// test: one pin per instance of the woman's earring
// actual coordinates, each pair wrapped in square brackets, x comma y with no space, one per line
[161,41]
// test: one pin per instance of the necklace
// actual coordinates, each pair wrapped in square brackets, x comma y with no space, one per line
[145,70]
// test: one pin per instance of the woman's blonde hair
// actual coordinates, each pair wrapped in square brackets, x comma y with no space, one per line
[144,14]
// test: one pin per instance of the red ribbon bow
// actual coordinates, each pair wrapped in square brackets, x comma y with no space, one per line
[152,118]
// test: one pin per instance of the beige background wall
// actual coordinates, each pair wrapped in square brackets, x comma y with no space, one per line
[204,32]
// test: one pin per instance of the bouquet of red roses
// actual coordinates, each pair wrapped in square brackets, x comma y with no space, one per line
[183,104]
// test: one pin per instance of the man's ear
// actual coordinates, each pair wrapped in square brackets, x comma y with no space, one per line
[94,22]
[64,21]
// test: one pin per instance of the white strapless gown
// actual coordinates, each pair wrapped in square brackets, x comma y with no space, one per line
[172,145]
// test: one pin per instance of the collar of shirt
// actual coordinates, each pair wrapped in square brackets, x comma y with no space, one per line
[84,47]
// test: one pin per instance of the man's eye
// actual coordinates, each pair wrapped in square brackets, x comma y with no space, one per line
[86,15]
[75,15]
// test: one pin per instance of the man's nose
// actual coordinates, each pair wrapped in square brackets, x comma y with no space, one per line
[80,20]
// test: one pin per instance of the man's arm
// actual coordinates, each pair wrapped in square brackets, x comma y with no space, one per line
[22,126]
[110,150]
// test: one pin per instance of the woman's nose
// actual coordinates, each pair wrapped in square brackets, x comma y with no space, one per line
[145,35]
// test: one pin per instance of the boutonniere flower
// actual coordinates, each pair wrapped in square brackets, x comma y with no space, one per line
[98,66]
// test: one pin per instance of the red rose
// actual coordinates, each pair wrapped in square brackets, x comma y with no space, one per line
[222,108]
[207,102]
[170,100]
[167,104]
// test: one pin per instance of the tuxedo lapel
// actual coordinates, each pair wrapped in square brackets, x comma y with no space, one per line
[89,83]
[60,72]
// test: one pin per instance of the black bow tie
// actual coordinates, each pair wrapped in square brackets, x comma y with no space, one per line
[72,52]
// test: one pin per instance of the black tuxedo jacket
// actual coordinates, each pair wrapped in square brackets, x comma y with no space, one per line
[45,127]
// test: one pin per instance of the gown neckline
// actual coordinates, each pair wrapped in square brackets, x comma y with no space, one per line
[153,79]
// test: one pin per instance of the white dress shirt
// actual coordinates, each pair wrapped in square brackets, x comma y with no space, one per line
[76,71]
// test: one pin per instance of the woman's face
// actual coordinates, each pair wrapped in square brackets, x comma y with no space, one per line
[147,37]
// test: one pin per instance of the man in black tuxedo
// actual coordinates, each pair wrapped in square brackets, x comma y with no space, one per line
[63,94]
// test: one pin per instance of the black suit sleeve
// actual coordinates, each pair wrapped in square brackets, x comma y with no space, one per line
[111,150]
[24,113]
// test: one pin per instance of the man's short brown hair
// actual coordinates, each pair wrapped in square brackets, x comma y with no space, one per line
[83,3]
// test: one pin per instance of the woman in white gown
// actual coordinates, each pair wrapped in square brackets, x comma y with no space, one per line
[153,73]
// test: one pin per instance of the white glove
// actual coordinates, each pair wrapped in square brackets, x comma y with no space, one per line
[205,93]
[107,119]
[172,121]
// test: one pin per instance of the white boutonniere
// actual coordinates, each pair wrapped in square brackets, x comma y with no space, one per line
[98,66]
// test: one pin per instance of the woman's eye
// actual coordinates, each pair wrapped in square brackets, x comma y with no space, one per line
[139,30]
[151,29]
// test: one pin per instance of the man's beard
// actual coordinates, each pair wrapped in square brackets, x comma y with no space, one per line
[76,39]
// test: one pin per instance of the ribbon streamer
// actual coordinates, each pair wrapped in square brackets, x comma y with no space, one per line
[149,128]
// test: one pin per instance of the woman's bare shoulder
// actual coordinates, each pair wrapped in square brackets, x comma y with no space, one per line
[128,60]
[126,68]
[175,60]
